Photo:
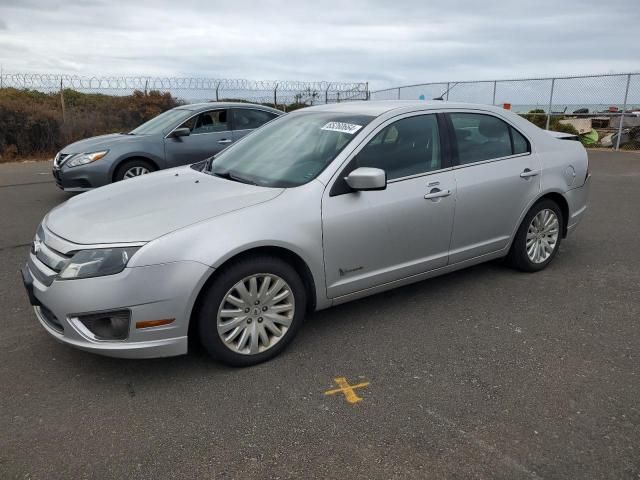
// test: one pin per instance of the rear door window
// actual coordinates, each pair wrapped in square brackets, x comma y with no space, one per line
[248,119]
[520,144]
[480,137]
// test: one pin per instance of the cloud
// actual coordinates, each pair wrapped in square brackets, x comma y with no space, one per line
[386,43]
[3,24]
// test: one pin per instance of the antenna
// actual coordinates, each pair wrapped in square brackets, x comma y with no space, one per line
[441,97]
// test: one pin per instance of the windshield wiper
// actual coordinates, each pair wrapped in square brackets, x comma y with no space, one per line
[236,178]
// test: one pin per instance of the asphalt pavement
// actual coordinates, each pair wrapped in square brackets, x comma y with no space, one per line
[484,373]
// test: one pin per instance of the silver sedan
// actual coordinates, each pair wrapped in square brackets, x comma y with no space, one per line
[317,208]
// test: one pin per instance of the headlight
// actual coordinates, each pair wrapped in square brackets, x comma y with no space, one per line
[97,263]
[84,158]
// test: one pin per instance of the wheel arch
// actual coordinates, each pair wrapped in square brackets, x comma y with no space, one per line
[554,195]
[116,165]
[282,253]
[559,200]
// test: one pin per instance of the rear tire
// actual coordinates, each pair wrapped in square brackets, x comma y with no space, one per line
[538,239]
[133,168]
[251,311]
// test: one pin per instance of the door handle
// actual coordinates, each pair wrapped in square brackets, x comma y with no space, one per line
[225,140]
[529,173]
[437,193]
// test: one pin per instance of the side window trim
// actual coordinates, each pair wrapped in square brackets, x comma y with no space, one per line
[453,145]
[510,129]
[337,187]
[491,160]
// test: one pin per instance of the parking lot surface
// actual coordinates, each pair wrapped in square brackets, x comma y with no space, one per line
[484,373]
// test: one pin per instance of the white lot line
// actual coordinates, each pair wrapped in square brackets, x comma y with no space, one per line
[506,459]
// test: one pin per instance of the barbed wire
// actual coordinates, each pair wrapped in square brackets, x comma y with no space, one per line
[40,81]
[195,89]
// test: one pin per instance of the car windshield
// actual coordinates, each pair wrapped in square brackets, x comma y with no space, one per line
[289,151]
[162,122]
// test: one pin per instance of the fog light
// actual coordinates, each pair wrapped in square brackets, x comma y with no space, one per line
[106,325]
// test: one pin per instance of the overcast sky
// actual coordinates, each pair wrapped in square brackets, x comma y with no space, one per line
[384,42]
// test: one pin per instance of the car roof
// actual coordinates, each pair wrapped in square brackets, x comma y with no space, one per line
[379,107]
[200,107]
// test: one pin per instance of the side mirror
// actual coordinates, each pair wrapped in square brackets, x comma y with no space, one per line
[181,132]
[367,178]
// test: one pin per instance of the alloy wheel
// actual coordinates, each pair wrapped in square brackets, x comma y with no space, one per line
[135,172]
[542,236]
[255,313]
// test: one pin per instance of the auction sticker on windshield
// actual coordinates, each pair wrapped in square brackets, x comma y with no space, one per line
[343,127]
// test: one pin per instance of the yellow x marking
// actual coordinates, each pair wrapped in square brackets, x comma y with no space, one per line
[348,390]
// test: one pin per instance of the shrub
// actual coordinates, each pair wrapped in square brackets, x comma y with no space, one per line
[32,123]
[556,126]
[539,117]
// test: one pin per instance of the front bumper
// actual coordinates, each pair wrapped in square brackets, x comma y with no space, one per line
[166,291]
[82,178]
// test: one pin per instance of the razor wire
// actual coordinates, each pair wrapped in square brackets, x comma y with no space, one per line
[192,89]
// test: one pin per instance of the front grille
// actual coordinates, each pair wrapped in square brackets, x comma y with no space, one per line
[59,159]
[50,319]
[51,258]
[44,262]
[44,275]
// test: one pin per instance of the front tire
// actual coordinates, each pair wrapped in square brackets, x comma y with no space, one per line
[538,239]
[133,168]
[251,311]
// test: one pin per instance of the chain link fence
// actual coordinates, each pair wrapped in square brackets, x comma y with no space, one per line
[603,109]
[40,113]
[193,89]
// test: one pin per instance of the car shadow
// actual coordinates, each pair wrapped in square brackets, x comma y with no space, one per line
[348,318]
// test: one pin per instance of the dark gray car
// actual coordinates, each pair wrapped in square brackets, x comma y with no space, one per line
[179,136]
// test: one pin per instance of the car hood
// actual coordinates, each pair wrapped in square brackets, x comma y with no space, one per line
[146,207]
[101,142]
